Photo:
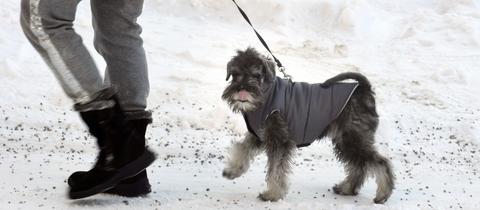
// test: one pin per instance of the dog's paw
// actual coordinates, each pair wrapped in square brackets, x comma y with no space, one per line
[380,200]
[270,196]
[382,196]
[343,189]
[231,173]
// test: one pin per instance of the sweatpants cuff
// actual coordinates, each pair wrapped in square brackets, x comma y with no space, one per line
[102,100]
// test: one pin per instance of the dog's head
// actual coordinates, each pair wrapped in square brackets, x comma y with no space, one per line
[251,72]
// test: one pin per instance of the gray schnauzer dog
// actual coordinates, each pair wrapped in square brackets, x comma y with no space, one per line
[282,115]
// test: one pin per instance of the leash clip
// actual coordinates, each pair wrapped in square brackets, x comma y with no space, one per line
[285,75]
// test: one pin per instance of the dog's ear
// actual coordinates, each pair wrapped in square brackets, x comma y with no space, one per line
[269,69]
[229,70]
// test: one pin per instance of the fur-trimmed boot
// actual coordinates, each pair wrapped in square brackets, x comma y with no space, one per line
[131,187]
[123,155]
[137,185]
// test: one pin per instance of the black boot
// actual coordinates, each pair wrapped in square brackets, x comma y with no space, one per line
[118,160]
[132,187]
[93,120]
[137,185]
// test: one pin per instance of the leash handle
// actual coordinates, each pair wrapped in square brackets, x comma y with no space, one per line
[281,68]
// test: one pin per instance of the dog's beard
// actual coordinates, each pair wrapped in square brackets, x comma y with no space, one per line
[242,104]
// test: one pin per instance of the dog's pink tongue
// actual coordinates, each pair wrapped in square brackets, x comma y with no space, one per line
[243,95]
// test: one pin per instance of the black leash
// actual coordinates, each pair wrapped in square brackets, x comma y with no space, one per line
[279,64]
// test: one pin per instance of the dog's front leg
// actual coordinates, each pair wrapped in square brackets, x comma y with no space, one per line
[279,150]
[241,154]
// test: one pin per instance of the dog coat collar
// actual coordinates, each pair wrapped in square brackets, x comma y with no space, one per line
[307,108]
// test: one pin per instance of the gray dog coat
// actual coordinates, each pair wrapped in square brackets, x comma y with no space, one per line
[307,108]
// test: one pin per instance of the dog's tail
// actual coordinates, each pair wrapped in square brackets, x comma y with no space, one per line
[363,82]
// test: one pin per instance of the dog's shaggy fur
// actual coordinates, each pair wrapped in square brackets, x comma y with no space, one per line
[352,132]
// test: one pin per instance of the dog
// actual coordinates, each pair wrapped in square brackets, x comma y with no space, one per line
[350,121]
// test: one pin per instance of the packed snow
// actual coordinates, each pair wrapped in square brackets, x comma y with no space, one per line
[422,56]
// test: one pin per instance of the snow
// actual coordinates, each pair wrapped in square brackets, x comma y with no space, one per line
[422,56]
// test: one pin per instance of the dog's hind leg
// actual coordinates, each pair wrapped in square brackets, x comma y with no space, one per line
[350,150]
[356,150]
[384,178]
[241,154]
[353,134]
[356,175]
[279,149]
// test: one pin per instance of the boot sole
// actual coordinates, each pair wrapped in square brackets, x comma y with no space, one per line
[127,171]
[138,188]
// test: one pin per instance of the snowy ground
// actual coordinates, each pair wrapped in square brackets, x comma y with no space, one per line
[423,57]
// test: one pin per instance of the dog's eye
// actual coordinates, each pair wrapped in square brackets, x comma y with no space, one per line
[256,76]
[237,77]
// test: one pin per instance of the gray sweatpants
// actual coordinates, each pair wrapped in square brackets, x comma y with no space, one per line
[48,25]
